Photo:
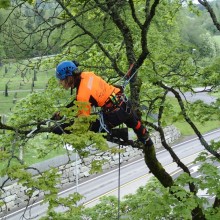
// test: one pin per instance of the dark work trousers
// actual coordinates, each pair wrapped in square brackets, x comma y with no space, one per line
[122,114]
[113,118]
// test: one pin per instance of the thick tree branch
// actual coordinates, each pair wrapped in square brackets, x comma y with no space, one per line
[197,212]
[22,130]
[189,121]
[156,168]
[166,146]
[211,12]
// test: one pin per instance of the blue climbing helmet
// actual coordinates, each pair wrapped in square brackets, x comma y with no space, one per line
[64,69]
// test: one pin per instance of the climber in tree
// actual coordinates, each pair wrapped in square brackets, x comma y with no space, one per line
[92,89]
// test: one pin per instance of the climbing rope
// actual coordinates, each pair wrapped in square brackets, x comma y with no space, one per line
[119,181]
[127,77]
[102,123]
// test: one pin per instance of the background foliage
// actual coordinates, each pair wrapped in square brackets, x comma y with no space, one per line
[175,48]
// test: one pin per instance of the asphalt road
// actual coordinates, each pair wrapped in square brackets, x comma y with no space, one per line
[132,176]
[203,96]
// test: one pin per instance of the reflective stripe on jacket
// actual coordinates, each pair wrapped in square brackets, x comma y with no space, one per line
[95,90]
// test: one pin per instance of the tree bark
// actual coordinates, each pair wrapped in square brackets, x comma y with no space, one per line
[156,168]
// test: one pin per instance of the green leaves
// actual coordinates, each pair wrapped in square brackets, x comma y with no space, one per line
[201,112]
[210,179]
[96,166]
[5,3]
[151,201]
[106,210]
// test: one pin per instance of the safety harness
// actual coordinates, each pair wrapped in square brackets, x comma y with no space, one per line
[115,101]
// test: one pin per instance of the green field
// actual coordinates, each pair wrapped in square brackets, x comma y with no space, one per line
[20,81]
[185,128]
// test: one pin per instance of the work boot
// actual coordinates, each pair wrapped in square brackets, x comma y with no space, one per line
[118,135]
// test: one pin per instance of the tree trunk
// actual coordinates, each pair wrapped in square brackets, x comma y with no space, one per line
[165,179]
[156,168]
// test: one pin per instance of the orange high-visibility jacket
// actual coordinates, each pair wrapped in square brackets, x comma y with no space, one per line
[95,90]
